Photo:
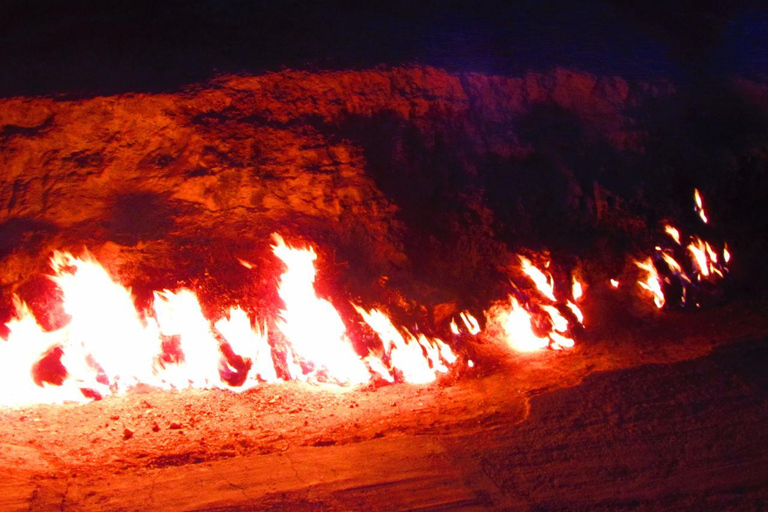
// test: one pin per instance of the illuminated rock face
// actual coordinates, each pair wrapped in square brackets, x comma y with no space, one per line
[171,186]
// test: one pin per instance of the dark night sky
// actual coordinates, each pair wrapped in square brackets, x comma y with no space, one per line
[97,47]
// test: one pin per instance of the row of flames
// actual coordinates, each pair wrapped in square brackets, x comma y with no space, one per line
[108,346]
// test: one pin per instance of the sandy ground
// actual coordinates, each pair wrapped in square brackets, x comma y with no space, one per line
[666,413]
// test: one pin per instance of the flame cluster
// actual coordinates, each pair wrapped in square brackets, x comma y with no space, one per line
[542,321]
[675,272]
[108,346]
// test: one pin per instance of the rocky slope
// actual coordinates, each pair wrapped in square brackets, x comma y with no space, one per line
[397,172]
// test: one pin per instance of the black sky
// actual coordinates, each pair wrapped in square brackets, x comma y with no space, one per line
[78,47]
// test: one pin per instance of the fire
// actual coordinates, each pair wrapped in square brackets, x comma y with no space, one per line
[314,330]
[700,257]
[249,341]
[517,328]
[108,346]
[673,232]
[318,341]
[704,263]
[26,345]
[104,328]
[699,207]
[577,289]
[652,282]
[576,312]
[180,314]
[536,326]
[543,282]
[417,358]
[470,322]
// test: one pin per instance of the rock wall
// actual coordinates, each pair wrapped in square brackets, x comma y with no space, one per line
[396,172]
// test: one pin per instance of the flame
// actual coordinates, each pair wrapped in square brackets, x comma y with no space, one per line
[470,322]
[517,327]
[543,282]
[247,264]
[699,208]
[699,255]
[108,346]
[673,232]
[705,262]
[250,342]
[27,343]
[104,326]
[614,283]
[652,282]
[577,289]
[419,359]
[179,314]
[576,312]
[315,332]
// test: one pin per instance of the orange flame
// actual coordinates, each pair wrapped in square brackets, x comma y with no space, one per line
[543,282]
[699,255]
[517,327]
[652,282]
[673,232]
[470,322]
[577,289]
[250,342]
[104,326]
[699,208]
[25,346]
[315,332]
[419,359]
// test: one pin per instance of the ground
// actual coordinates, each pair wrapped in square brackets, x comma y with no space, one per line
[667,414]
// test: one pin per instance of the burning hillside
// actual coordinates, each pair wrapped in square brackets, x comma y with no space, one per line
[356,259]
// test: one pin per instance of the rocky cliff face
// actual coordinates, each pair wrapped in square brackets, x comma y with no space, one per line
[397,172]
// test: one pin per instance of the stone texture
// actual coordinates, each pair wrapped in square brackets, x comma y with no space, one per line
[382,167]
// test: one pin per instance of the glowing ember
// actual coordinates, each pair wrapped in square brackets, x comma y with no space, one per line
[316,335]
